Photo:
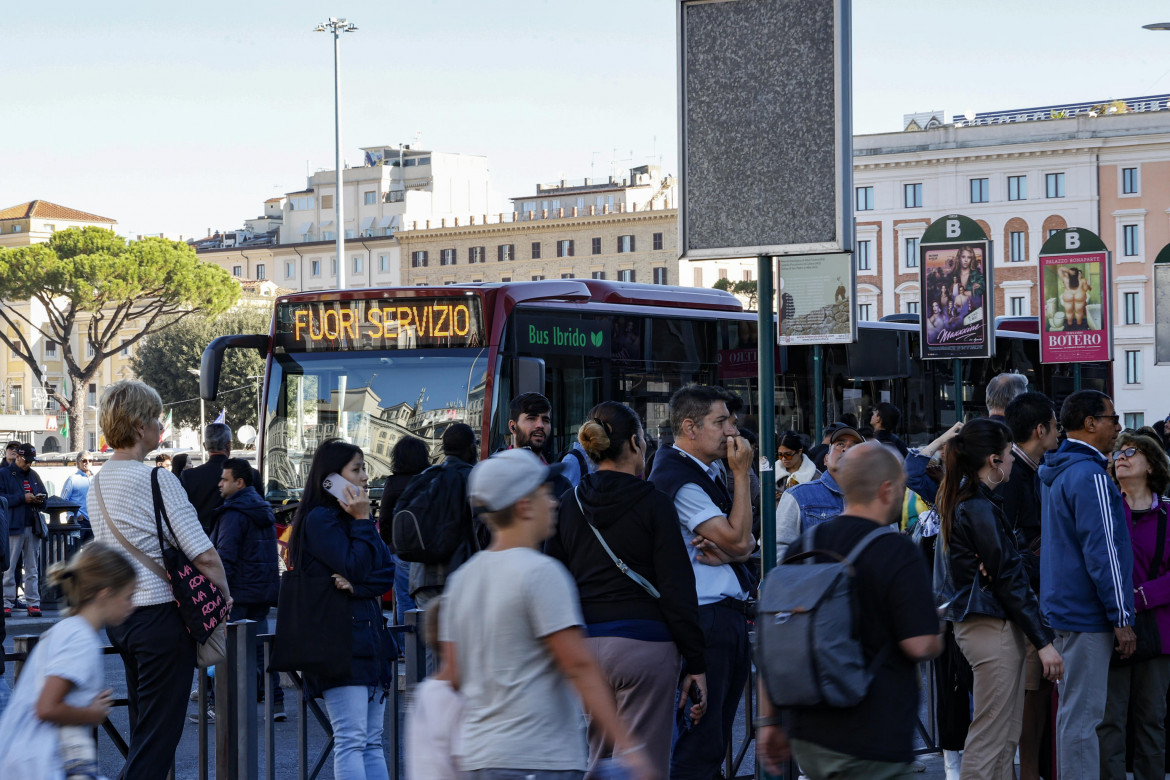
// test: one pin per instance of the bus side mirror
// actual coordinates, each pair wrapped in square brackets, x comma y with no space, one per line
[211,364]
[529,376]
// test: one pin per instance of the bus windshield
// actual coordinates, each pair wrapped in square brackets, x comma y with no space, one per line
[370,398]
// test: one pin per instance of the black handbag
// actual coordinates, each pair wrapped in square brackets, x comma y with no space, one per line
[1145,623]
[314,623]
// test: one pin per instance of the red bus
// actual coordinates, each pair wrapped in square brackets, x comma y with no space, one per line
[375,365]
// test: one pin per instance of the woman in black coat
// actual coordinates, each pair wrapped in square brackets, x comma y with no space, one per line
[408,458]
[642,624]
[337,538]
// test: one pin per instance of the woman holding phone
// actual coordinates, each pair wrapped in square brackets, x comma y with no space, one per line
[335,536]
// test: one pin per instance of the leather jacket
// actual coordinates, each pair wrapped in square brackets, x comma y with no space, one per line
[980,534]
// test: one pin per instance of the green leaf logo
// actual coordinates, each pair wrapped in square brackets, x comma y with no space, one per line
[597,338]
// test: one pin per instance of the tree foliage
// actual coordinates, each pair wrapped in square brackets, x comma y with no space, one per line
[93,285]
[164,360]
[723,284]
[747,289]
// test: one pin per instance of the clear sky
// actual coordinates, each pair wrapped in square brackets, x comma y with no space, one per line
[180,117]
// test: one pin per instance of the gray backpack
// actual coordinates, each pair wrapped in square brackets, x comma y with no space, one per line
[808,637]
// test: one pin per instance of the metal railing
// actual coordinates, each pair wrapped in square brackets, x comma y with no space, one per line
[239,728]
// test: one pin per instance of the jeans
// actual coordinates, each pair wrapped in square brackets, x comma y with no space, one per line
[402,600]
[357,714]
[23,545]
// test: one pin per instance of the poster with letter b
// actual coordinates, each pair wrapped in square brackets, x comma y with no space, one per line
[1075,291]
[956,315]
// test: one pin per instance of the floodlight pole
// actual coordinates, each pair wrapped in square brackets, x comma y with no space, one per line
[338,26]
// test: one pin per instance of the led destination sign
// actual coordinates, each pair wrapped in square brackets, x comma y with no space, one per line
[379,324]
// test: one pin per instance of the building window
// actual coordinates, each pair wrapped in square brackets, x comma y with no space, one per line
[1133,366]
[1132,313]
[1016,306]
[290,270]
[566,276]
[349,233]
[538,277]
[597,246]
[446,257]
[1051,232]
[475,254]
[358,265]
[1054,185]
[1016,253]
[418,259]
[505,278]
[657,237]
[864,256]
[326,201]
[864,198]
[660,276]
[911,307]
[91,440]
[91,394]
[980,190]
[535,250]
[18,397]
[314,267]
[89,349]
[598,275]
[747,275]
[371,198]
[722,273]
[333,267]
[17,228]
[126,348]
[1130,240]
[51,348]
[911,252]
[1135,420]
[626,276]
[625,244]
[913,195]
[261,272]
[505,252]
[565,248]
[237,270]
[1017,188]
[50,228]
[383,263]
[698,280]
[864,312]
[1129,181]
[328,235]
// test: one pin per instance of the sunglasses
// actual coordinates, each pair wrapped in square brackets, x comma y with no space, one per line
[1127,453]
[85,461]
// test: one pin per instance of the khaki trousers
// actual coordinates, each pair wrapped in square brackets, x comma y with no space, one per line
[995,650]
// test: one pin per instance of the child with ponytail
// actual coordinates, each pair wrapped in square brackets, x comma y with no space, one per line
[46,731]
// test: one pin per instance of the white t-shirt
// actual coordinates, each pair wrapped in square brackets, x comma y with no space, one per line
[29,747]
[432,731]
[125,487]
[520,712]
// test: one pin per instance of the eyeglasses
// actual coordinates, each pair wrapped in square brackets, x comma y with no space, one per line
[1127,453]
[1113,417]
[786,455]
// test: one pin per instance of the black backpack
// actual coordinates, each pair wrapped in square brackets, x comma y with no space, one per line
[432,516]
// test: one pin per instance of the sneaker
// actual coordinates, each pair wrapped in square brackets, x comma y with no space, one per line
[34,611]
[278,715]
[194,694]
[8,612]
[194,716]
[20,604]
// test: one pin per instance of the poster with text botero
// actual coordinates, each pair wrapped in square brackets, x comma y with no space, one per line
[815,299]
[956,316]
[1074,317]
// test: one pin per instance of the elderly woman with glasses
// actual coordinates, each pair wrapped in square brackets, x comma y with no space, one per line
[1142,471]
[75,491]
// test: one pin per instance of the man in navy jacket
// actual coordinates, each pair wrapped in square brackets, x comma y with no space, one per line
[25,492]
[1086,574]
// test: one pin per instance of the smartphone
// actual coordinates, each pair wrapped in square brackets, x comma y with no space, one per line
[40,497]
[695,694]
[335,485]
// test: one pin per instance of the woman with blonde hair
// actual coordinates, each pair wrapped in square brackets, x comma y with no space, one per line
[1140,468]
[156,648]
[641,622]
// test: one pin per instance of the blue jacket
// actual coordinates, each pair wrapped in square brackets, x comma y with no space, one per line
[335,543]
[244,535]
[12,481]
[75,492]
[1086,561]
[819,501]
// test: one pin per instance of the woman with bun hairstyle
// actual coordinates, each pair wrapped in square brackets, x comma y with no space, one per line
[796,467]
[982,587]
[337,538]
[47,730]
[641,624]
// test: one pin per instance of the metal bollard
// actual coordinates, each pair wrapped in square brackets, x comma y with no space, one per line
[416,653]
[236,743]
[23,645]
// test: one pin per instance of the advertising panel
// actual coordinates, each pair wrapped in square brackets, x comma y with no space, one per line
[1162,307]
[956,314]
[1075,321]
[815,299]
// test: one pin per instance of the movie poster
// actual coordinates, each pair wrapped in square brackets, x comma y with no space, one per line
[1074,325]
[956,314]
[815,299]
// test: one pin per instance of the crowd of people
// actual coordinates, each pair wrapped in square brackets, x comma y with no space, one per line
[620,583]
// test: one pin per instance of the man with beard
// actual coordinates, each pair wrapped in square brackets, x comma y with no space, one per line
[530,423]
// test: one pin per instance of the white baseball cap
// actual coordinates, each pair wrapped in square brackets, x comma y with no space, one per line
[506,477]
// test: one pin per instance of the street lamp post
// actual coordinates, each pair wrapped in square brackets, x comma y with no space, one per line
[202,416]
[338,26]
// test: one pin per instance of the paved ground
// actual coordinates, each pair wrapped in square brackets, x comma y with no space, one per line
[187,755]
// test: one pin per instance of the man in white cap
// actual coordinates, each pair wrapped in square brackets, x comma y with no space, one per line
[511,634]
